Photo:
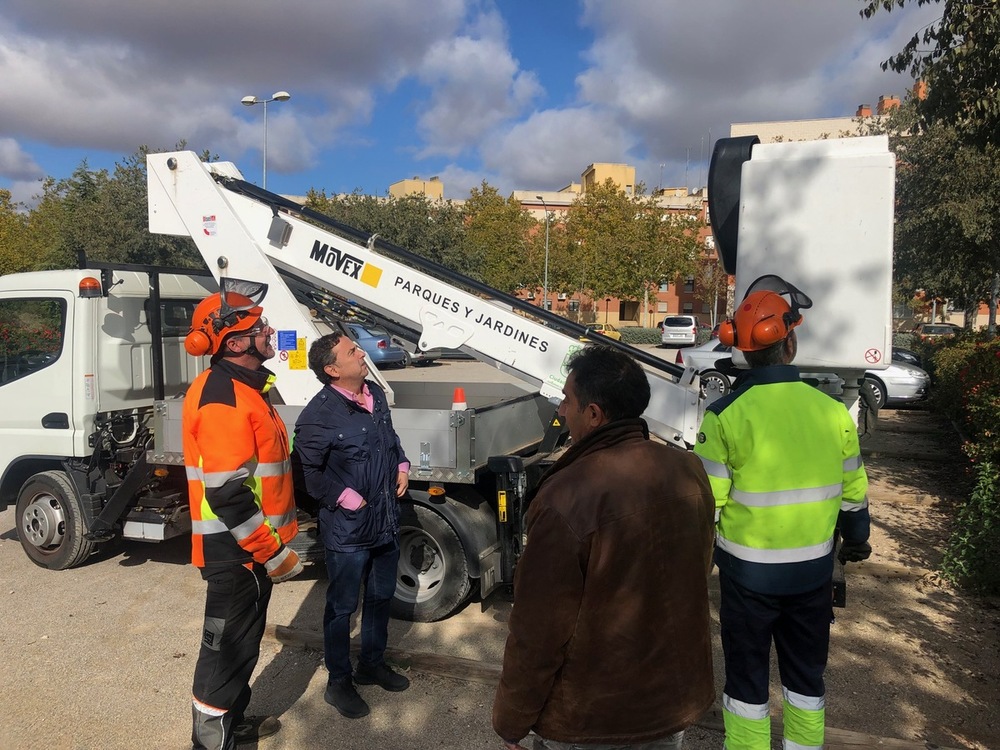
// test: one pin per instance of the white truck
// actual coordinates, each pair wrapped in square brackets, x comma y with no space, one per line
[93,368]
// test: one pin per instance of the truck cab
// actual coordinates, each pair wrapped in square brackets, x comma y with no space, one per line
[77,385]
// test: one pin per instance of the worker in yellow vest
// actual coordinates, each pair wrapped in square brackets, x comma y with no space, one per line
[785,468]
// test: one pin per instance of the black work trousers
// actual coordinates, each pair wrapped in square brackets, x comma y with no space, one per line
[235,615]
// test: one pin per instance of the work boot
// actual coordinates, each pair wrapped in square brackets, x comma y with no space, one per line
[342,696]
[254,728]
[381,675]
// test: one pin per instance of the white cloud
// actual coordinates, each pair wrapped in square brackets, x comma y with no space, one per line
[475,84]
[15,163]
[551,149]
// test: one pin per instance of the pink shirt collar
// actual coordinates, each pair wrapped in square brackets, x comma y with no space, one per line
[366,393]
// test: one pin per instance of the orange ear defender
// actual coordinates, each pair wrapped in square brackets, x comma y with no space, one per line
[762,319]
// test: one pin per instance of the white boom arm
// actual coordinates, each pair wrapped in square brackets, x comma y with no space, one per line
[245,237]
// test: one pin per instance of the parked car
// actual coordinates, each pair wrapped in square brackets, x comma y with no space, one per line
[899,383]
[931,331]
[679,330]
[906,356]
[377,345]
[414,355]
[604,329]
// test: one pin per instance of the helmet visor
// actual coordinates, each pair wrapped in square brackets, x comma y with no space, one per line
[798,299]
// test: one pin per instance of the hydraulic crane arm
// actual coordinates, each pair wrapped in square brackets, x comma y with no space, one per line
[244,232]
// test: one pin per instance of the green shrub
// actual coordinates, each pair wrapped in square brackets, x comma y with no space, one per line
[905,340]
[635,335]
[971,558]
[966,389]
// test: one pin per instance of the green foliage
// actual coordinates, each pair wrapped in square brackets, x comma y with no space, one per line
[12,224]
[974,548]
[967,389]
[427,228]
[905,340]
[496,244]
[635,335]
[957,57]
[622,245]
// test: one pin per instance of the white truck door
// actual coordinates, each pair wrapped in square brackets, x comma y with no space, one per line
[36,375]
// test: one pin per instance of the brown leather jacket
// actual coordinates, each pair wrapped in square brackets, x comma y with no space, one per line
[609,635]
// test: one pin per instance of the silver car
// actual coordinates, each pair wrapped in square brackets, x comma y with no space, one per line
[899,383]
[679,330]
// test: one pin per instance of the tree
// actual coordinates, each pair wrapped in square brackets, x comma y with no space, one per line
[626,245]
[431,229]
[947,198]
[957,58]
[496,242]
[12,229]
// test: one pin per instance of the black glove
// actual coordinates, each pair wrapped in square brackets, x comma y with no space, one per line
[854,552]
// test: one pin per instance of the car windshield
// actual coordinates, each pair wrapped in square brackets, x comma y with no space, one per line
[938,329]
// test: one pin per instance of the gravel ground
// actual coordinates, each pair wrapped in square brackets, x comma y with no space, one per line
[102,656]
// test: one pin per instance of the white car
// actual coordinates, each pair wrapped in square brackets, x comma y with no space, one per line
[679,330]
[899,383]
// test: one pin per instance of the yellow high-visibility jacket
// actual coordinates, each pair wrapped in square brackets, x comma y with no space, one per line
[785,468]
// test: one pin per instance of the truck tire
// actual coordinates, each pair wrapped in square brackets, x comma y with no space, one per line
[50,522]
[432,579]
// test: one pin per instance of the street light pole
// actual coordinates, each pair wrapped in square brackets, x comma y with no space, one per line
[249,101]
[545,279]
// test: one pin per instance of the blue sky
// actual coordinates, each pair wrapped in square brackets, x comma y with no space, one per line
[523,94]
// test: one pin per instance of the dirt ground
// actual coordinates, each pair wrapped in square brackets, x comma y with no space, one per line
[930,652]
[102,655]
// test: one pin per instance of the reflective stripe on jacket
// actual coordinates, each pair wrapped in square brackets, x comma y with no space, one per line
[236,456]
[784,464]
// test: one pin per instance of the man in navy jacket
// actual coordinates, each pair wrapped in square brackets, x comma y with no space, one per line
[354,468]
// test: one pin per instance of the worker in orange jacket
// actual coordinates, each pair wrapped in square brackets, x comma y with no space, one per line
[236,455]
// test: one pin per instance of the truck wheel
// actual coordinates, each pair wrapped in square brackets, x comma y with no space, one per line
[432,579]
[50,522]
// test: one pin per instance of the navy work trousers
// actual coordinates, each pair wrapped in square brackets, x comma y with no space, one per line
[799,624]
[347,570]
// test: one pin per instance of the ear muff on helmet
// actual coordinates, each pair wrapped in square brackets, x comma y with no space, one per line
[215,318]
[766,317]
[197,343]
[727,333]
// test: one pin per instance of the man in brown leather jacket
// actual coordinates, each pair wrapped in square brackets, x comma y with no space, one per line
[609,643]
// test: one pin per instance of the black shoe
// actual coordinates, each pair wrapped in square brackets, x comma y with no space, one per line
[381,675]
[254,728]
[342,696]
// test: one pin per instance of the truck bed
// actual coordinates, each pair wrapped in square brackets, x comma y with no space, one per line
[441,444]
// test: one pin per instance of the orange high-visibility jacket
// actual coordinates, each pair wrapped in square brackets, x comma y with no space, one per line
[239,472]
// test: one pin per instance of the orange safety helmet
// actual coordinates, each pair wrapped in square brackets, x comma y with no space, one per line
[764,318]
[236,308]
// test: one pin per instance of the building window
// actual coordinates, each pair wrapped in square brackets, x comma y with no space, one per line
[687,307]
[661,307]
[574,305]
[689,284]
[706,308]
[709,242]
[665,286]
